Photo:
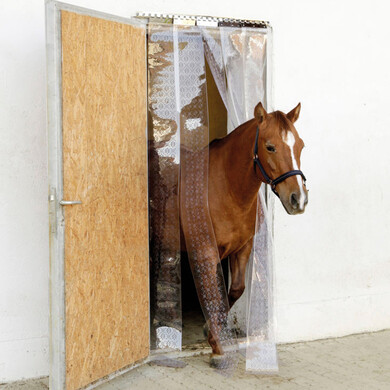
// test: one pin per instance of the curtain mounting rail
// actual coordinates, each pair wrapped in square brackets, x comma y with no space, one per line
[201,20]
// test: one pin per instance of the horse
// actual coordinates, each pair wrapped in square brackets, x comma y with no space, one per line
[234,182]
[263,150]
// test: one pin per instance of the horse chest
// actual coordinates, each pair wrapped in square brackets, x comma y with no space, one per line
[233,228]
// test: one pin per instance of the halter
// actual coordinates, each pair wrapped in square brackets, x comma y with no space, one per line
[275,182]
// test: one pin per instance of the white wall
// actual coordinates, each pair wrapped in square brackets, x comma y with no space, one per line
[24,263]
[332,263]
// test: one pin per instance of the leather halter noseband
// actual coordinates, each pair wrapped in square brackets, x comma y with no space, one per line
[273,183]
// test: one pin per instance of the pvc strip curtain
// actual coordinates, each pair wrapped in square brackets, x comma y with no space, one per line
[196,222]
[178,157]
[178,161]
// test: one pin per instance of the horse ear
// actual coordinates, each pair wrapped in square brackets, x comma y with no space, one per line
[293,115]
[260,113]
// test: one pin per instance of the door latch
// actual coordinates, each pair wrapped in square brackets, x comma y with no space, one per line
[69,202]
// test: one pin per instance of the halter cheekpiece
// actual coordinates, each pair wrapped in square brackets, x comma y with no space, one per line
[273,183]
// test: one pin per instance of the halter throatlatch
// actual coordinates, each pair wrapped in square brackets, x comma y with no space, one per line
[273,183]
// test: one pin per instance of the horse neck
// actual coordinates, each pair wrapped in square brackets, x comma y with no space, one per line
[242,179]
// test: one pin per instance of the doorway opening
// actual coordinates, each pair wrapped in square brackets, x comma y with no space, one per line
[191,312]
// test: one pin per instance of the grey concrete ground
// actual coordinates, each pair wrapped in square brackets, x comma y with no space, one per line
[359,362]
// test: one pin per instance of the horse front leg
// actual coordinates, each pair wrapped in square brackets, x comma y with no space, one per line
[217,313]
[238,262]
[208,278]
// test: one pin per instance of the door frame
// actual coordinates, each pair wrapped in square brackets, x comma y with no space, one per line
[57,362]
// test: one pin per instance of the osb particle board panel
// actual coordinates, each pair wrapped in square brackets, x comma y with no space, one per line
[105,166]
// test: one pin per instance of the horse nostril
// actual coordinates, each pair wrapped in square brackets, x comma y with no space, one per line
[294,200]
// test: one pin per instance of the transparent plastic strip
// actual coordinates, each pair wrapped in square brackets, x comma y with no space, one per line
[213,53]
[196,222]
[164,160]
[261,353]
[261,345]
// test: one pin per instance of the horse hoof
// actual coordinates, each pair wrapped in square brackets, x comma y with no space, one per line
[206,330]
[218,361]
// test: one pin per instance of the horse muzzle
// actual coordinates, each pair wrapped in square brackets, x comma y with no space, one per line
[295,203]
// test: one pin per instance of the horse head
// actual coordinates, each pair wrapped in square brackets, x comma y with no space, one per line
[278,151]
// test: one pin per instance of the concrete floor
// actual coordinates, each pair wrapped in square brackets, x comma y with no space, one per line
[359,362]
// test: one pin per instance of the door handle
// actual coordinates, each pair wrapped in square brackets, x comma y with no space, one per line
[69,202]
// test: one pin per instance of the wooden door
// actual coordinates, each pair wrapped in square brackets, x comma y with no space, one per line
[105,167]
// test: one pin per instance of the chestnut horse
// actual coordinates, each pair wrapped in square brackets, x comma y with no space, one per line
[234,185]
[261,150]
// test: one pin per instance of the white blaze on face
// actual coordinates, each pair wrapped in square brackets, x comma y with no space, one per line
[289,140]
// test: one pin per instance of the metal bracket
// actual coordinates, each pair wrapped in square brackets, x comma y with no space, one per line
[184,20]
[53,211]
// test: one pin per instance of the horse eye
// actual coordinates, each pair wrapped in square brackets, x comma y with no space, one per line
[271,148]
